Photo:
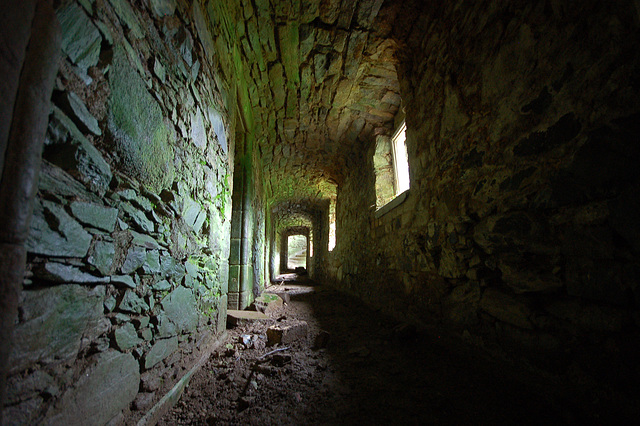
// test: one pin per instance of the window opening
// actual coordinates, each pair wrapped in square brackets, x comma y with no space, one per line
[391,168]
[332,224]
[297,247]
[400,159]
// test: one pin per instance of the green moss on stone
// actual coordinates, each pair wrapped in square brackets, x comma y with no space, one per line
[141,137]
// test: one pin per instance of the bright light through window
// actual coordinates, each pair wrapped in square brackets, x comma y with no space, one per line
[332,224]
[401,162]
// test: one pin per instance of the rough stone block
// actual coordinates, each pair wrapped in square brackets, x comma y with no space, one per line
[126,13]
[68,148]
[139,218]
[171,268]
[133,303]
[102,256]
[55,319]
[180,308]
[126,337]
[62,236]
[59,272]
[123,280]
[80,38]
[162,285]
[160,350]
[136,256]
[136,121]
[287,333]
[103,390]
[72,105]
[144,240]
[267,303]
[234,278]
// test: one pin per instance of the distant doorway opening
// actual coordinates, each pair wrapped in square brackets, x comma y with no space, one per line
[297,252]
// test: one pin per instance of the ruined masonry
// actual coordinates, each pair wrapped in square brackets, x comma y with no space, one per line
[187,141]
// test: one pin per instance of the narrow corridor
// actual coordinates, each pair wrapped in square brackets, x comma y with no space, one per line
[373,370]
[459,179]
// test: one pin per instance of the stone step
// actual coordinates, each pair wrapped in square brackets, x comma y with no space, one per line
[235,317]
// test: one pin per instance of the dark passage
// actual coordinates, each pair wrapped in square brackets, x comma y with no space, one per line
[370,369]
[458,183]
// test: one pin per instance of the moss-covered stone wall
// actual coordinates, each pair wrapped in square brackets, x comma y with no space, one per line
[519,230]
[129,243]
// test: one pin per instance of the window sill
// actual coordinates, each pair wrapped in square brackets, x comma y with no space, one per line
[391,204]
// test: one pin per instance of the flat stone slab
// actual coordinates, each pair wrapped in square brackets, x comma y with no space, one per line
[235,317]
[287,333]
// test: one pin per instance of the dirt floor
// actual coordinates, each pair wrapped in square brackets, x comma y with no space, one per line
[356,366]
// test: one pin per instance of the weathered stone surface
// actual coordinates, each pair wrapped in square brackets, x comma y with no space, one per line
[159,351]
[23,413]
[126,13]
[142,138]
[59,272]
[161,285]
[53,232]
[54,320]
[218,127]
[505,308]
[144,240]
[136,256]
[102,256]
[105,388]
[140,219]
[68,148]
[20,389]
[267,303]
[123,280]
[126,337]
[180,308]
[159,70]
[287,333]
[80,38]
[110,303]
[73,106]
[171,268]
[163,8]
[54,180]
[165,328]
[198,135]
[146,334]
[95,215]
[133,303]
[193,215]
[127,194]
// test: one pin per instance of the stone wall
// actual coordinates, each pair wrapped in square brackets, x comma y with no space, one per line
[520,228]
[127,268]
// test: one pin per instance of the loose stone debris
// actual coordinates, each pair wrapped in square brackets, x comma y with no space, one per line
[344,363]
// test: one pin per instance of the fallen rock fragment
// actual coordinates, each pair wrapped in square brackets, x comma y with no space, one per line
[267,303]
[286,333]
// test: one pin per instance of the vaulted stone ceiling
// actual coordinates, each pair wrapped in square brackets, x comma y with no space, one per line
[315,80]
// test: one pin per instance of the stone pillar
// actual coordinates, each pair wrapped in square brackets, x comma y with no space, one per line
[28,119]
[240,257]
